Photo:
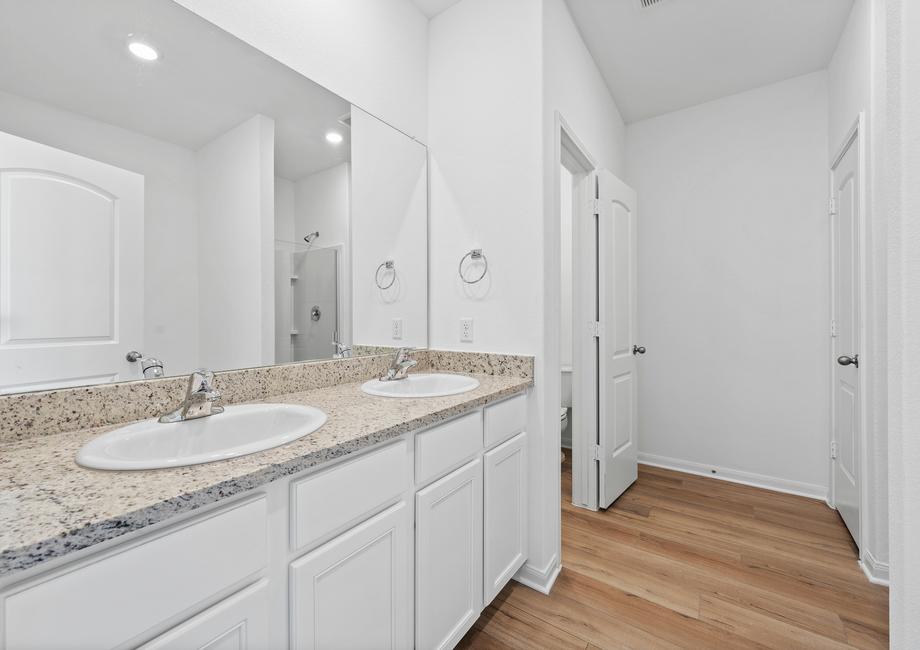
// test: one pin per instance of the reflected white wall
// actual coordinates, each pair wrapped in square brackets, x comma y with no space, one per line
[389,222]
[235,257]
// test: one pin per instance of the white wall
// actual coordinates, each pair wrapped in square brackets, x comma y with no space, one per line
[733,283]
[235,256]
[285,211]
[486,192]
[371,52]
[849,75]
[389,219]
[498,72]
[322,203]
[902,168]
[170,198]
[854,73]
[574,90]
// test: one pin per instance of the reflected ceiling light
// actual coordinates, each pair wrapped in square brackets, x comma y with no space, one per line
[142,50]
[333,137]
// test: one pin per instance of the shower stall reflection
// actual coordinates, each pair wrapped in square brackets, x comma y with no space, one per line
[307,300]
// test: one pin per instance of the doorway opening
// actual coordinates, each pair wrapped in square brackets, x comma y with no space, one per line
[598,349]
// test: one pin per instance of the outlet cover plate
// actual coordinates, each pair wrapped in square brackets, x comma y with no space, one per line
[466,330]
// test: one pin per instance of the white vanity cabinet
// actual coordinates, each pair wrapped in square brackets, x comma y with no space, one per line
[353,591]
[397,546]
[131,590]
[505,514]
[448,557]
[238,623]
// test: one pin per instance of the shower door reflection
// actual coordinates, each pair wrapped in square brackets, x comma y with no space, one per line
[308,317]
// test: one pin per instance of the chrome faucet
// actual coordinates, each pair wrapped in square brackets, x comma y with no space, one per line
[200,399]
[400,366]
[341,351]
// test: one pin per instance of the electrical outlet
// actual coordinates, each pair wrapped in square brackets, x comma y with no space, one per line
[466,330]
[397,329]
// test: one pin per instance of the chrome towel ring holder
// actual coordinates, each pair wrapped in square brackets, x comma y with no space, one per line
[389,265]
[474,255]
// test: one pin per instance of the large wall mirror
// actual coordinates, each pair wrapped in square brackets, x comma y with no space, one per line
[169,191]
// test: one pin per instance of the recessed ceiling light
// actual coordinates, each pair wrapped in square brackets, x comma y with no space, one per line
[142,50]
[334,137]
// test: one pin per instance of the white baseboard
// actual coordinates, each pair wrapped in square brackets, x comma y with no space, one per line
[876,571]
[541,580]
[809,490]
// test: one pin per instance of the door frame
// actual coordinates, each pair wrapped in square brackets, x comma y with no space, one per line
[571,151]
[855,136]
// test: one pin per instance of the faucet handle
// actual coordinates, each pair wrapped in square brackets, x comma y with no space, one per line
[402,354]
[201,381]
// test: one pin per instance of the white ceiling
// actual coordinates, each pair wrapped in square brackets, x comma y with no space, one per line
[432,8]
[682,53]
[73,55]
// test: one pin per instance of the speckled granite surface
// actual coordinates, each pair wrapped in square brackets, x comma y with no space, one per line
[50,506]
[25,415]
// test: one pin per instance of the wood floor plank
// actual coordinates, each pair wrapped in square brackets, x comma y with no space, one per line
[686,561]
[661,622]
[516,628]
[756,625]
[600,627]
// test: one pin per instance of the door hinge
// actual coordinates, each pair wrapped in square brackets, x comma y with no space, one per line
[596,207]
[832,206]
[595,329]
[834,450]
[597,453]
[833,328]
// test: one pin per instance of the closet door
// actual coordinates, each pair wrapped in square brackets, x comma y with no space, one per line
[448,570]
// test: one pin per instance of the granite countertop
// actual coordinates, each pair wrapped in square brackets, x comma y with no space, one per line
[50,506]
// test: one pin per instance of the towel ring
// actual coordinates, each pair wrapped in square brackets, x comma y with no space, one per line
[475,254]
[388,266]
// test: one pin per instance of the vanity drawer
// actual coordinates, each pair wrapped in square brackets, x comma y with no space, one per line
[327,502]
[110,601]
[446,446]
[505,420]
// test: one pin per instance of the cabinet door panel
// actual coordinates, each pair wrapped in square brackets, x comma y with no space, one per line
[352,592]
[505,502]
[125,594]
[238,623]
[448,569]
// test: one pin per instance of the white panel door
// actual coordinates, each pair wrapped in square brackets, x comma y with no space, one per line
[617,349]
[71,268]
[448,552]
[845,272]
[352,592]
[238,623]
[505,514]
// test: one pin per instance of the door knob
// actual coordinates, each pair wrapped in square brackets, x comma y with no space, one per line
[638,349]
[847,361]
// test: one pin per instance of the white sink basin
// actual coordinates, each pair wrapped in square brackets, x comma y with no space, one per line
[422,385]
[238,431]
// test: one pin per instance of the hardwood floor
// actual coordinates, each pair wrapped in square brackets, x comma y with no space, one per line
[682,561]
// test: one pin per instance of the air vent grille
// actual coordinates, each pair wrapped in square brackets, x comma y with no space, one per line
[648,4]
